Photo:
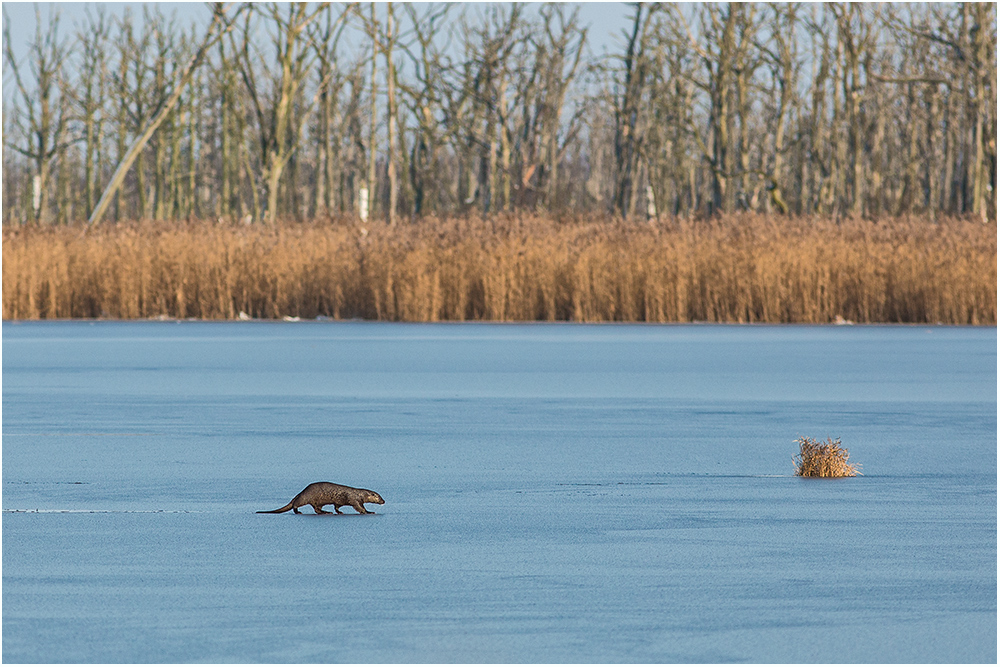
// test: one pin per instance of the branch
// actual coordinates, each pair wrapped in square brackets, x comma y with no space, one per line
[910,79]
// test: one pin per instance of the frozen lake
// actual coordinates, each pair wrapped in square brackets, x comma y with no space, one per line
[554,493]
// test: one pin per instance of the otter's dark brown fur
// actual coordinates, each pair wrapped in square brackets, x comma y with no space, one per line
[319,494]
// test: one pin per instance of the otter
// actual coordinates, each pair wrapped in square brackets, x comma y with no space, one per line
[319,494]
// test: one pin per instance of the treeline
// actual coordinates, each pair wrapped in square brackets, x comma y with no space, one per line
[743,267]
[301,111]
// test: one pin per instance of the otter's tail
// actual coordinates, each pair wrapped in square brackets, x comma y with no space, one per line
[277,511]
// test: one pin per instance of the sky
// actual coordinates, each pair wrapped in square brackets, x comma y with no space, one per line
[605,20]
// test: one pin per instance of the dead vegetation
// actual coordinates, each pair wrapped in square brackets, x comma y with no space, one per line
[737,268]
[824,459]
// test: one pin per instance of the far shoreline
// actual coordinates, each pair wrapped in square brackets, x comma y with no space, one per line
[743,268]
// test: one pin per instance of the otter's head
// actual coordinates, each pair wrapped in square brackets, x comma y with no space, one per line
[374,498]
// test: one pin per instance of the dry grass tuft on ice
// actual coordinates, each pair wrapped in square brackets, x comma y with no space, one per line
[824,459]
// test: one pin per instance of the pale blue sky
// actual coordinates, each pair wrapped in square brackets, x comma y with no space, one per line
[604,19]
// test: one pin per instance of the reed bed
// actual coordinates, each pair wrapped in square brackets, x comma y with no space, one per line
[740,268]
[824,459]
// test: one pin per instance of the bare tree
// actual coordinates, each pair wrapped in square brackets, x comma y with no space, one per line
[780,53]
[724,49]
[423,98]
[44,104]
[92,98]
[628,109]
[856,34]
[392,119]
[274,99]
[326,38]
[558,55]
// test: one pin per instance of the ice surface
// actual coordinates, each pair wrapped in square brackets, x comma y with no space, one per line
[554,493]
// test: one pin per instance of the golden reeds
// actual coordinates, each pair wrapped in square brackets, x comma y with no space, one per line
[824,459]
[740,268]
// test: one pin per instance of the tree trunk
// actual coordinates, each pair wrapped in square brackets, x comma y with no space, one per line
[373,115]
[390,79]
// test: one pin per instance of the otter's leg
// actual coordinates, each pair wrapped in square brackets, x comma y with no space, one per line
[319,509]
[296,510]
[336,508]
[359,507]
